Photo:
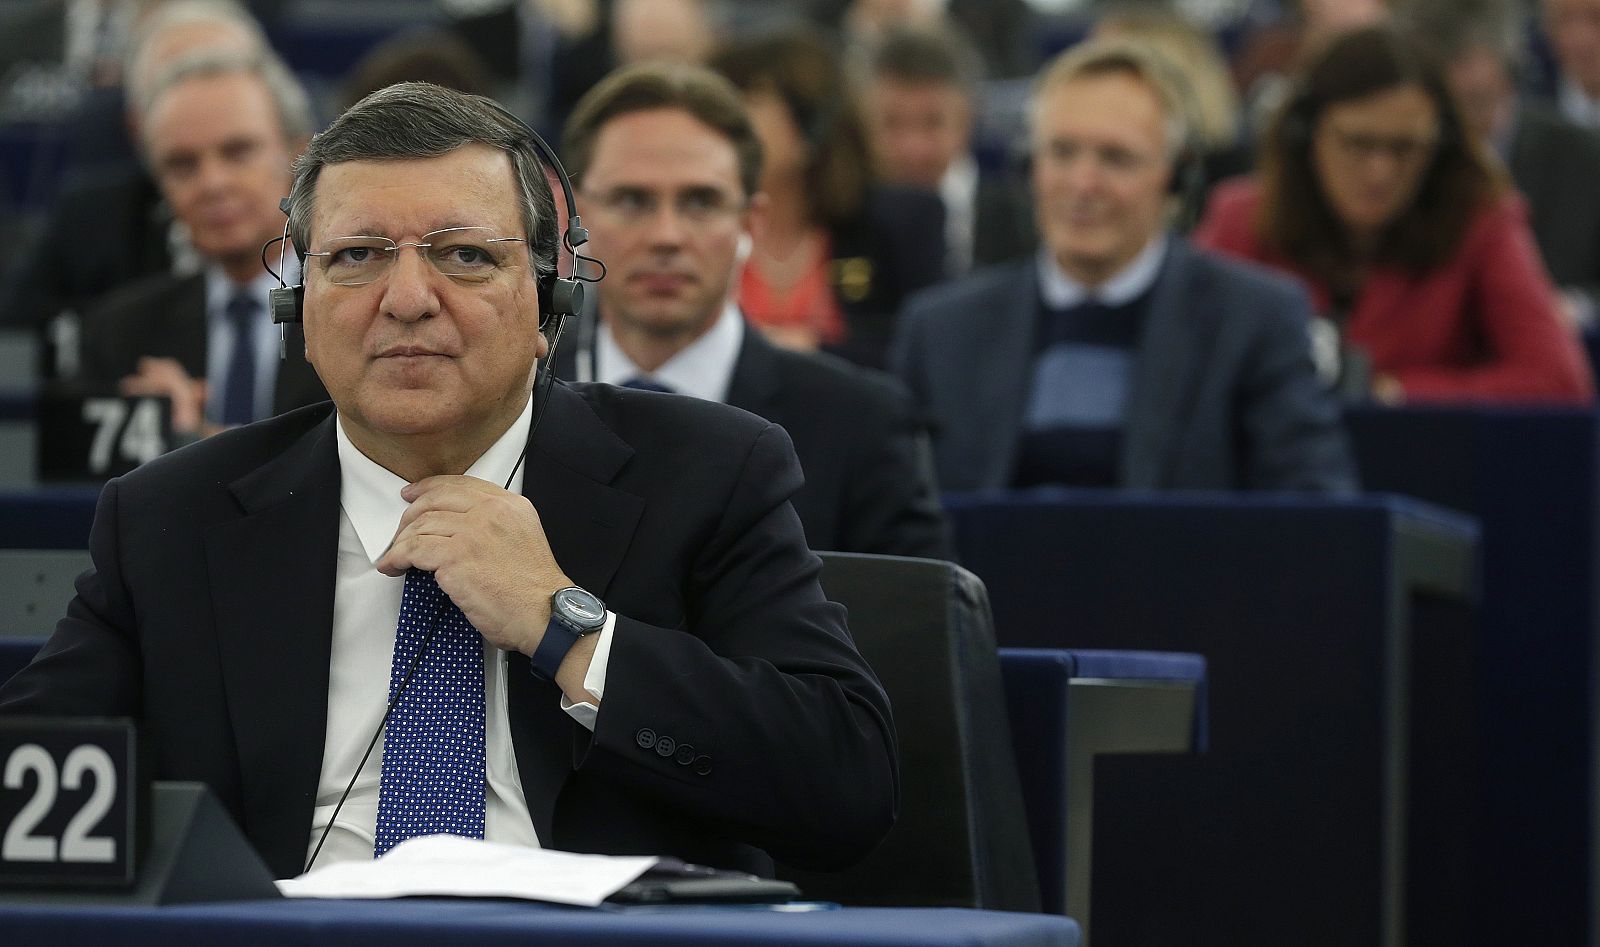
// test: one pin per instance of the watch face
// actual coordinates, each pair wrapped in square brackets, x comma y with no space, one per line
[580,609]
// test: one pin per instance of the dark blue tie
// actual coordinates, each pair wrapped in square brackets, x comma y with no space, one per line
[239,390]
[646,383]
[433,769]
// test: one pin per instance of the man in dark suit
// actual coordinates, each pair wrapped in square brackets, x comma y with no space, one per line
[1551,158]
[666,161]
[1120,356]
[623,649]
[919,106]
[220,133]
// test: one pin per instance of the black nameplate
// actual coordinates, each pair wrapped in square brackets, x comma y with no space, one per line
[67,802]
[89,436]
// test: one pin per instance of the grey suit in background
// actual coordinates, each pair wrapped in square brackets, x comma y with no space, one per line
[1224,394]
[1556,165]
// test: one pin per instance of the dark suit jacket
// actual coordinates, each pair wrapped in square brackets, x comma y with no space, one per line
[106,229]
[869,478]
[1002,228]
[208,615]
[166,316]
[1224,394]
[1556,165]
[889,251]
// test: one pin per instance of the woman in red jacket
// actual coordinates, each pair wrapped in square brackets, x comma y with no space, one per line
[1409,239]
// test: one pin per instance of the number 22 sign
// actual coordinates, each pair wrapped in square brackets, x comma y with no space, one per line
[66,802]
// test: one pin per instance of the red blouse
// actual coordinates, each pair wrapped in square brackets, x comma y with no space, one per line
[1482,326]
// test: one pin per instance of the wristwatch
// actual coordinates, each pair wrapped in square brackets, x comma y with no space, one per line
[573,614]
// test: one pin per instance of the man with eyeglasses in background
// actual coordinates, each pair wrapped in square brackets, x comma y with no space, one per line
[668,166]
[221,131]
[591,609]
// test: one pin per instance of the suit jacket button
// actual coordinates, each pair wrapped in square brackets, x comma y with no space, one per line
[685,754]
[665,746]
[702,765]
[646,738]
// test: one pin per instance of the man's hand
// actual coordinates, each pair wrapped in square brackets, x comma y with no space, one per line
[166,378]
[488,551]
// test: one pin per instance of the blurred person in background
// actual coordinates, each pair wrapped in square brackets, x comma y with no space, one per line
[1573,29]
[425,55]
[220,133]
[1554,162]
[839,251]
[1222,151]
[667,164]
[1120,356]
[919,95]
[1005,32]
[1269,57]
[114,216]
[1415,249]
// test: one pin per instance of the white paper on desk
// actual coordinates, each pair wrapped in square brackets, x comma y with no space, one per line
[462,867]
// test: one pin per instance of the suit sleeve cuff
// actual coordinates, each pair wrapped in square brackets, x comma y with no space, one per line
[595,680]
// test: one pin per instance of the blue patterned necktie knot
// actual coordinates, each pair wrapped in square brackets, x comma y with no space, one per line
[433,746]
[646,383]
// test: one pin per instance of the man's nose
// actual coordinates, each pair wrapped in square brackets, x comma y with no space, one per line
[667,226]
[410,287]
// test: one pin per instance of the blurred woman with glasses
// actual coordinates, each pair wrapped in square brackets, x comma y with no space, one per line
[1411,241]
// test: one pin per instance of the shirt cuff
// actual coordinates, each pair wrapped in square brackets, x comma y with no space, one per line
[595,680]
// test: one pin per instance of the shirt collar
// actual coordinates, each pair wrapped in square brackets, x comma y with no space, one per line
[1061,291]
[1576,105]
[370,494]
[703,368]
[959,185]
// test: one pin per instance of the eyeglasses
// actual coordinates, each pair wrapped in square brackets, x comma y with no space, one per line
[465,254]
[1404,149]
[633,207]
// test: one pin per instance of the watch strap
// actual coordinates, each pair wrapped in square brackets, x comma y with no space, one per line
[558,639]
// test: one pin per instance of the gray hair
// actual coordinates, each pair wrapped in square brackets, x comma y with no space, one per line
[412,120]
[288,96]
[139,66]
[1128,57]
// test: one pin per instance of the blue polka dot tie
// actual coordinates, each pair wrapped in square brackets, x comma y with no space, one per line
[433,772]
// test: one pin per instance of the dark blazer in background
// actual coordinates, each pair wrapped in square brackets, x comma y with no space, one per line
[868,472]
[673,510]
[1556,166]
[107,229]
[1003,228]
[166,316]
[1224,395]
[889,251]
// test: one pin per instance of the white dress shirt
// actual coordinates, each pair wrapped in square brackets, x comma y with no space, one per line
[1576,105]
[703,368]
[1061,291]
[958,189]
[366,610]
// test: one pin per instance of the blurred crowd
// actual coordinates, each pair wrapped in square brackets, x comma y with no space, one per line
[1095,244]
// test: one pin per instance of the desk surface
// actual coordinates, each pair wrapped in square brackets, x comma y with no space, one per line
[490,923]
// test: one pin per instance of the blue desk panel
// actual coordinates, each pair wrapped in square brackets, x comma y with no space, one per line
[1334,799]
[444,923]
[47,518]
[1532,478]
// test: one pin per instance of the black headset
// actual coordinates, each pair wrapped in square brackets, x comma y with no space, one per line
[559,296]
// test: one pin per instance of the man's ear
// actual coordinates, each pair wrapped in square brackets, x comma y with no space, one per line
[754,220]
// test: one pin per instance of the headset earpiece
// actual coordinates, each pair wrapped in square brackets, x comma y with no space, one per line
[287,304]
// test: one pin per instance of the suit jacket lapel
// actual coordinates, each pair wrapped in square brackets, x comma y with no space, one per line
[572,459]
[272,581]
[998,386]
[754,385]
[1175,342]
